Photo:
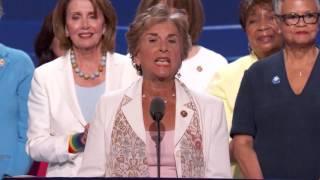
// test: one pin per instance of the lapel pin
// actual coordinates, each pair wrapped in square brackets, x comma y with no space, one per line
[2,62]
[184,113]
[199,69]
[276,80]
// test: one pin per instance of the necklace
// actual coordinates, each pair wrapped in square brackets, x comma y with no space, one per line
[83,75]
[164,99]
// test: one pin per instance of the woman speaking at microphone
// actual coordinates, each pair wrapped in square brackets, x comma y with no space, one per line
[194,139]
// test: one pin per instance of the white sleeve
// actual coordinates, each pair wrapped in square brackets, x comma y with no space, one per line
[94,157]
[42,145]
[218,165]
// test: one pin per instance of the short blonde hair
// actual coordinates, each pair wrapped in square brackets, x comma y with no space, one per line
[154,15]
[109,14]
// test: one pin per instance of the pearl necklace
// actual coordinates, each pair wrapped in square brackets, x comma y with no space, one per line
[83,75]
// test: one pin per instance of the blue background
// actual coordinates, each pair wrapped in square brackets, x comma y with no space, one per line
[221,33]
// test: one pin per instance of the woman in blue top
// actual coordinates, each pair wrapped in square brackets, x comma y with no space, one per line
[276,120]
[16,69]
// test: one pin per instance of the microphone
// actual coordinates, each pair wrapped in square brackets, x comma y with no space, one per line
[157,108]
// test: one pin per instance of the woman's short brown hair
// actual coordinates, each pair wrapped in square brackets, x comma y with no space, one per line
[247,6]
[193,8]
[154,15]
[109,14]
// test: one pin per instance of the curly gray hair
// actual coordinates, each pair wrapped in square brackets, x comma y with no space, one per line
[278,3]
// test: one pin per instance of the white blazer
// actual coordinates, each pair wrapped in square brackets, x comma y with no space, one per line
[54,111]
[117,136]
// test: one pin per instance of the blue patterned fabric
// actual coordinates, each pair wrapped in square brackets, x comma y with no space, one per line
[16,70]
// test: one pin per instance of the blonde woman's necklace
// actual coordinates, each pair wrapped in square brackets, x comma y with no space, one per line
[86,76]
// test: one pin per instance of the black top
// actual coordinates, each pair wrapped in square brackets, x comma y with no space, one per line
[285,126]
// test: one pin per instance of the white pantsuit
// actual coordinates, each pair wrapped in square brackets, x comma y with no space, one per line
[55,113]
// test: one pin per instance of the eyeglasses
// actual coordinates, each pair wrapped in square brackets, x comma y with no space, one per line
[293,18]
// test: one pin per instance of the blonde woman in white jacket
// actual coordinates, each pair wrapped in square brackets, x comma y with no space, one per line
[65,91]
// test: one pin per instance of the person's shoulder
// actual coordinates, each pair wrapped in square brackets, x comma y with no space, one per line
[15,52]
[204,99]
[50,68]
[18,57]
[118,58]
[116,95]
[209,106]
[267,63]
[212,55]
[265,68]
[236,67]
[243,61]
[52,64]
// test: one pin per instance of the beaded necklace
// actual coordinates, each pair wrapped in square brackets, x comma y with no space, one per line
[83,75]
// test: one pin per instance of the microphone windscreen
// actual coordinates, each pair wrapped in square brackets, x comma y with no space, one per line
[157,108]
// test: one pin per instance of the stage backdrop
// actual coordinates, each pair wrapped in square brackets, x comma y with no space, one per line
[221,33]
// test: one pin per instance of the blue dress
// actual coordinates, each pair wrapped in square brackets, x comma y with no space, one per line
[285,126]
[16,70]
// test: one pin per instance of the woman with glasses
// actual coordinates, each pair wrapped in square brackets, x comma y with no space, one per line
[276,123]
